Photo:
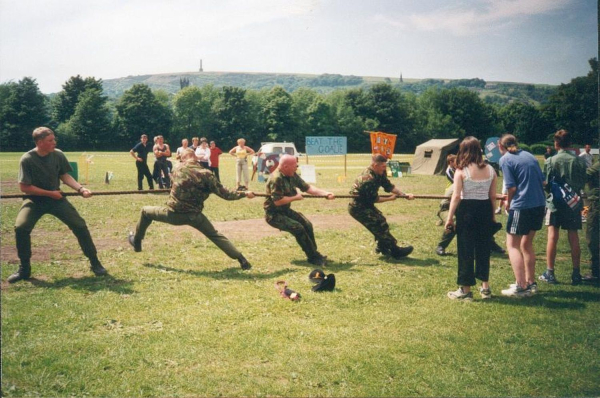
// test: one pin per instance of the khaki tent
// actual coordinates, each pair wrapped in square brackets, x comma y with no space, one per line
[430,157]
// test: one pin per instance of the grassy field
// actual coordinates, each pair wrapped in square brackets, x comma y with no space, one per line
[181,318]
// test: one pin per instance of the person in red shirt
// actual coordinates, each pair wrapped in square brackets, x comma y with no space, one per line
[215,152]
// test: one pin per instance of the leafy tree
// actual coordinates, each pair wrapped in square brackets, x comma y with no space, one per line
[232,114]
[64,104]
[525,121]
[191,110]
[140,112]
[278,116]
[90,124]
[347,123]
[455,113]
[574,106]
[22,109]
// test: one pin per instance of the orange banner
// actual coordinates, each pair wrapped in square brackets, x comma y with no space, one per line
[383,143]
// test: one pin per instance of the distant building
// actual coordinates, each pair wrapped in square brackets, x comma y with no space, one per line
[401,81]
[201,70]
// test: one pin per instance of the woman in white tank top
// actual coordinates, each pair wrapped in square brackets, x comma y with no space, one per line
[473,204]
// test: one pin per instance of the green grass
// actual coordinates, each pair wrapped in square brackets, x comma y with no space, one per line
[181,319]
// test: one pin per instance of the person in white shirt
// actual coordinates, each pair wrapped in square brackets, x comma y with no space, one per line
[203,153]
[587,156]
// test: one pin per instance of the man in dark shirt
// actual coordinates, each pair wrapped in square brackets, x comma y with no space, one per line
[362,208]
[140,154]
[40,172]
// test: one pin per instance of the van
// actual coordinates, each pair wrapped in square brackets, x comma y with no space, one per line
[279,147]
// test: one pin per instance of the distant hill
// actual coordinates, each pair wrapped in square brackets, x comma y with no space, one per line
[498,92]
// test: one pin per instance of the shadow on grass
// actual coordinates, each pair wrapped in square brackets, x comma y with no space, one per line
[410,261]
[227,273]
[555,299]
[88,283]
[329,267]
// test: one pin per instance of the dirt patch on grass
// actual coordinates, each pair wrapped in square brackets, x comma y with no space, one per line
[55,244]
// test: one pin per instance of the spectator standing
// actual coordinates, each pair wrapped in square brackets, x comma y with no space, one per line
[571,170]
[473,203]
[203,153]
[448,235]
[526,205]
[215,152]
[195,143]
[41,171]
[161,168]
[140,154]
[241,153]
[549,153]
[184,145]
[587,156]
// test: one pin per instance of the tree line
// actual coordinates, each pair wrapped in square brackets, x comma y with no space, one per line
[84,118]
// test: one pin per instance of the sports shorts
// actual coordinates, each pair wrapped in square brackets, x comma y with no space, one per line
[564,219]
[523,221]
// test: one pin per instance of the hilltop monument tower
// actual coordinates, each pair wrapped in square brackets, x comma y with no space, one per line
[401,81]
[201,70]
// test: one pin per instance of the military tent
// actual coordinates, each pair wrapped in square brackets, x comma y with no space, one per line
[430,157]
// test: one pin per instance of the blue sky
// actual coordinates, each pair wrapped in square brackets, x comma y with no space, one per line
[532,41]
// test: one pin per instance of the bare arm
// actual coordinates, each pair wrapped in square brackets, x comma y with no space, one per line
[135,156]
[249,150]
[493,195]
[317,191]
[67,179]
[455,201]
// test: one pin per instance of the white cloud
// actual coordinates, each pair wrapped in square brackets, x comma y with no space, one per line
[479,16]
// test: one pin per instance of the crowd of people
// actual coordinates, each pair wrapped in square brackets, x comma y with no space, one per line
[471,209]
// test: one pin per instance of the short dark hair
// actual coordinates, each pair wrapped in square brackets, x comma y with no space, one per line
[40,133]
[379,158]
[509,142]
[562,138]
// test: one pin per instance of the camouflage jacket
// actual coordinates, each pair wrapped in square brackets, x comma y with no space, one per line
[192,185]
[280,186]
[593,183]
[366,187]
[569,168]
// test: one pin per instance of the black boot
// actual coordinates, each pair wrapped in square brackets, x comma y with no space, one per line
[399,252]
[97,267]
[381,249]
[137,245]
[244,263]
[23,273]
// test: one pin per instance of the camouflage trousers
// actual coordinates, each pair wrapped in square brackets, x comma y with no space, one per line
[375,222]
[196,220]
[299,226]
[592,236]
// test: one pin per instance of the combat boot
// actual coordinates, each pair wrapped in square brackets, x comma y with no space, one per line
[23,273]
[399,252]
[244,263]
[97,267]
[385,250]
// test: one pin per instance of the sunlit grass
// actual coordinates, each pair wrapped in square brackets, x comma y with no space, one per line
[181,319]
